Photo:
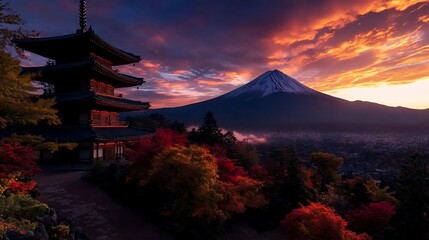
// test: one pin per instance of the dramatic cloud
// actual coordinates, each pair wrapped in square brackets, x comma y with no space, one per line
[194,50]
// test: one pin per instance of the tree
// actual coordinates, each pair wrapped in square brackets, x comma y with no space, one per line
[290,179]
[363,190]
[316,222]
[11,28]
[177,126]
[379,194]
[372,218]
[239,190]
[15,159]
[208,133]
[185,183]
[355,190]
[193,188]
[411,220]
[327,166]
[143,153]
[245,153]
[18,106]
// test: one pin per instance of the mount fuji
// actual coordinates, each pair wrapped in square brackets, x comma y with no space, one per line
[276,102]
[272,82]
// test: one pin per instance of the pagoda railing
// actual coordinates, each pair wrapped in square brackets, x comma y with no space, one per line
[115,124]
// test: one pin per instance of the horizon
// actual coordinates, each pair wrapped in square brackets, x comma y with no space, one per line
[371,51]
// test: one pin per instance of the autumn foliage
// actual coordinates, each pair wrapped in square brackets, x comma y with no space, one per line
[17,165]
[17,158]
[148,147]
[188,185]
[372,218]
[316,222]
[144,151]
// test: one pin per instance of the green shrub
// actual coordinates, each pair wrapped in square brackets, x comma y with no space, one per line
[19,213]
[21,207]
[60,232]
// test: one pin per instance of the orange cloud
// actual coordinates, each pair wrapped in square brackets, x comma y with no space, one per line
[386,46]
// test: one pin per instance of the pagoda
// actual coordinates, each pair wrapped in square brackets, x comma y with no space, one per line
[80,75]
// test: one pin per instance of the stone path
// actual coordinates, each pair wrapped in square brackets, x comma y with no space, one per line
[96,212]
[103,219]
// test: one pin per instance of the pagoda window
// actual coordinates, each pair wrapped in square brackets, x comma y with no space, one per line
[106,120]
[119,150]
[95,117]
[114,118]
[102,88]
[97,153]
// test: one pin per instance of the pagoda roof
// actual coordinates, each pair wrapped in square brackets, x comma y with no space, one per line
[101,100]
[85,133]
[56,72]
[71,46]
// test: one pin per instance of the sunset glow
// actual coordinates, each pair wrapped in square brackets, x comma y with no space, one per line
[196,50]
[412,95]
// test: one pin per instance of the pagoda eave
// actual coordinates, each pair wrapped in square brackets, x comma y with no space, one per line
[101,102]
[76,46]
[87,133]
[56,73]
[104,134]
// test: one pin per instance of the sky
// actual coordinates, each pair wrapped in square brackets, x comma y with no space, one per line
[193,50]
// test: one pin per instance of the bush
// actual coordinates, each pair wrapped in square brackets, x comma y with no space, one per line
[372,219]
[317,221]
[60,232]
[17,158]
[184,187]
[21,207]
[19,213]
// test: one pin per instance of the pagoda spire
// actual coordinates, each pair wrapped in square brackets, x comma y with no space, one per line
[82,15]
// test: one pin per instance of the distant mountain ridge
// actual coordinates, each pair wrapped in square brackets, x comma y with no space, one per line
[276,102]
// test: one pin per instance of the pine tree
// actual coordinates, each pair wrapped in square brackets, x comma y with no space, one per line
[290,178]
[208,133]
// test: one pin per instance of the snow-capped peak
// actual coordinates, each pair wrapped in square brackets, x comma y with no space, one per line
[271,82]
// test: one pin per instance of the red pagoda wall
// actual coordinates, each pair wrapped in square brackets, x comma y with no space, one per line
[102,88]
[104,118]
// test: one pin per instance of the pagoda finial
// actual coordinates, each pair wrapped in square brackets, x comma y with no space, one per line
[82,15]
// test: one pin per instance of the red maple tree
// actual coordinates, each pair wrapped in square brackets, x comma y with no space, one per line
[316,222]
